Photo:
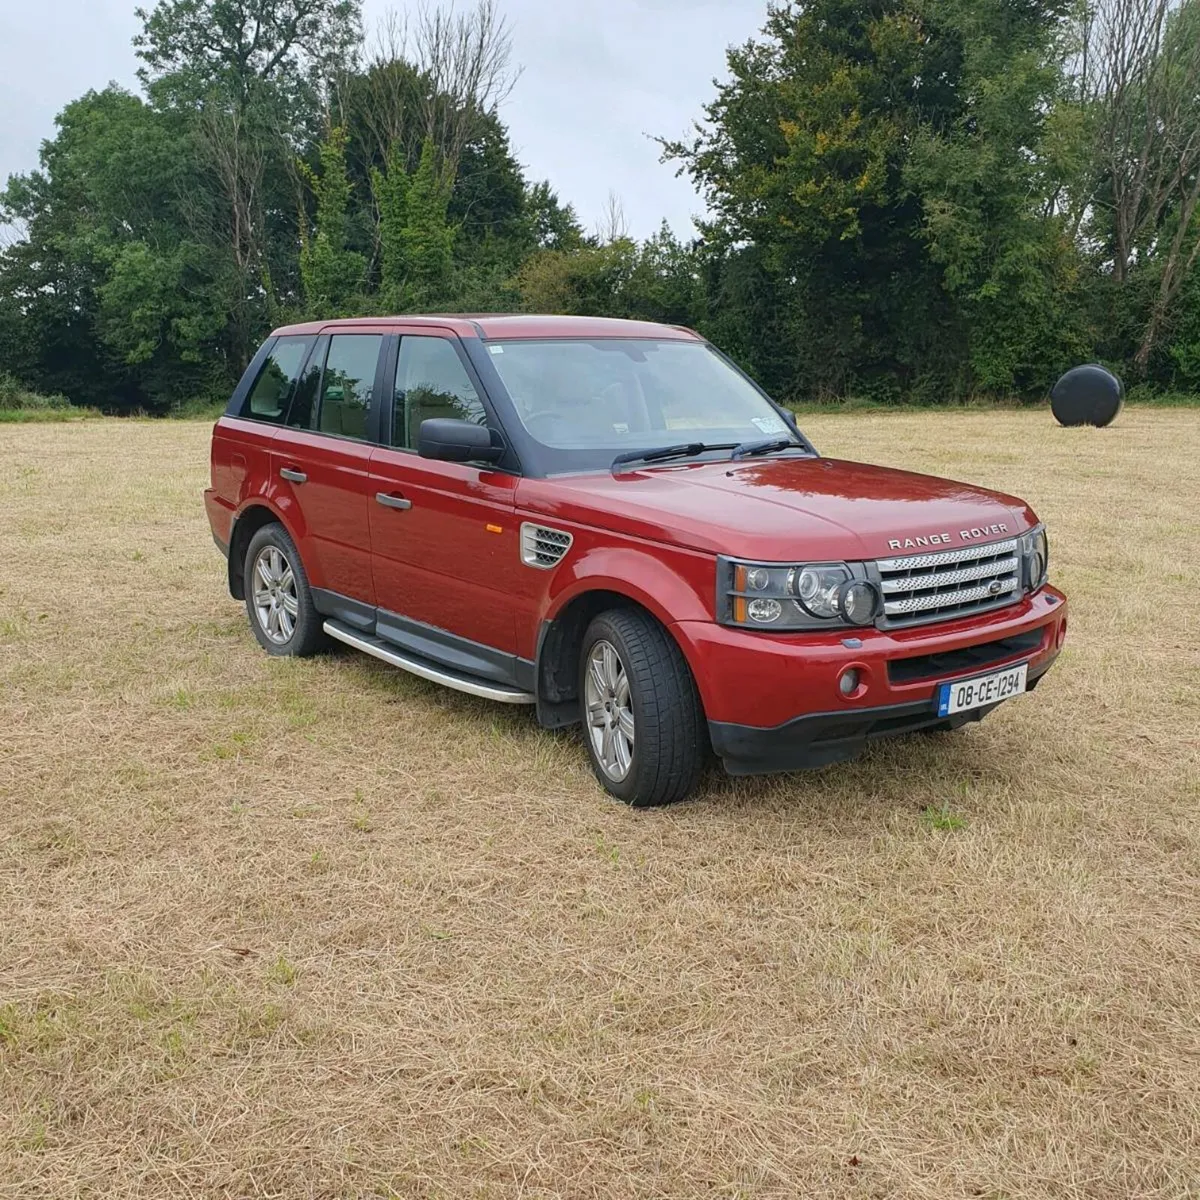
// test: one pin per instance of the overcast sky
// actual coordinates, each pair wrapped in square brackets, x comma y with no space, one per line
[601,77]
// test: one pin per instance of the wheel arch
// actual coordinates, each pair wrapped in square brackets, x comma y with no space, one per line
[246,524]
[560,641]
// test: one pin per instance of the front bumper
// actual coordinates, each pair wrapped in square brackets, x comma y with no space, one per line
[819,739]
[773,703]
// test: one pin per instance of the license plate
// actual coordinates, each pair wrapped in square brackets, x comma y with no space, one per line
[987,689]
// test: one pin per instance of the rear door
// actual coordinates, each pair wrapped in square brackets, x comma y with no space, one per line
[446,546]
[242,439]
[321,458]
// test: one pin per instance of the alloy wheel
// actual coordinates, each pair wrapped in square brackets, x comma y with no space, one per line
[609,711]
[276,604]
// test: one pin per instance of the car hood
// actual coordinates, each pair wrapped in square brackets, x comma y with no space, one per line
[783,509]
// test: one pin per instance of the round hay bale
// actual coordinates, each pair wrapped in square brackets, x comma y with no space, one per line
[1087,396]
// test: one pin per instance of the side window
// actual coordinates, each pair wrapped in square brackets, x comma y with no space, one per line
[304,402]
[272,391]
[348,385]
[431,382]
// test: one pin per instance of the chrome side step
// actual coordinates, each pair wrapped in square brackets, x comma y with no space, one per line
[380,649]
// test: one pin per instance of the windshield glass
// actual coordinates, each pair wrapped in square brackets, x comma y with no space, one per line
[593,400]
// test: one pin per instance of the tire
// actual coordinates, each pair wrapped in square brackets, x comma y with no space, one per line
[280,631]
[641,710]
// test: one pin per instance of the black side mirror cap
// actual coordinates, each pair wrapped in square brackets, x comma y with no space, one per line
[450,440]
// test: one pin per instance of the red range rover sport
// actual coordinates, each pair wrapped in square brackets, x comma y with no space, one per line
[607,521]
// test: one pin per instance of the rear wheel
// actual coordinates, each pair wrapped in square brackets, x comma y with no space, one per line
[642,717]
[278,598]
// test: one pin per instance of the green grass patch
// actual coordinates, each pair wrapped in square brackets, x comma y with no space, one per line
[19,403]
[943,819]
[31,416]
[1141,396]
[868,404]
[199,408]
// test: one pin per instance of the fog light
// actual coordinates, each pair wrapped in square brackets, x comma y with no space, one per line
[764,611]
[849,681]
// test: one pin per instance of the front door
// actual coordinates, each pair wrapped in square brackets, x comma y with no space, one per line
[322,460]
[446,545]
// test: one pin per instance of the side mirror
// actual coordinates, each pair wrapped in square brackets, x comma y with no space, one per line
[457,441]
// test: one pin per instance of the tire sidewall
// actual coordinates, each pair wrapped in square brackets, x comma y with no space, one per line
[638,788]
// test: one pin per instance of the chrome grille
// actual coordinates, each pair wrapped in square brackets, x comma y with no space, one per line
[949,583]
[542,547]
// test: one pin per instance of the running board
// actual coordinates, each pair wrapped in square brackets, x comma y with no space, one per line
[378,648]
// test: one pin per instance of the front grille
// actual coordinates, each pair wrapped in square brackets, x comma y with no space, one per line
[960,662]
[543,548]
[949,583]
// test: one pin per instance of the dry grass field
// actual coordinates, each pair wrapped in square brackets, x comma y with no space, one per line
[318,929]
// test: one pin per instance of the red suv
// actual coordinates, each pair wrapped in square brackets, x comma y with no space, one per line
[608,521]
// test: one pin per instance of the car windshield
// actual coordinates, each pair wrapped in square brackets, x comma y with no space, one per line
[587,401]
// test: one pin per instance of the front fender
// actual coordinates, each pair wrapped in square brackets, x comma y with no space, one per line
[683,590]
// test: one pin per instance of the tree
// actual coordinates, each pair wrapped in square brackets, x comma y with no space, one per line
[1143,85]
[117,301]
[657,280]
[164,234]
[554,226]
[248,77]
[883,159]
[986,177]
[232,51]
[390,189]
[433,155]
[331,272]
[426,241]
[433,81]
[801,156]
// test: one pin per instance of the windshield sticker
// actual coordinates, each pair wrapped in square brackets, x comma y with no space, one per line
[496,349]
[770,424]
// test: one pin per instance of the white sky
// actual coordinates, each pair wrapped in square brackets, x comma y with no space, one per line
[601,78]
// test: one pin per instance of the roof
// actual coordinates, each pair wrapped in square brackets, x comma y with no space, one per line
[507,325]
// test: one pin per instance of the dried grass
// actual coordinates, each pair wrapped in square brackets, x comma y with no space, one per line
[321,930]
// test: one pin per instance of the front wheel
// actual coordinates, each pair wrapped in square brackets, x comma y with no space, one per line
[643,721]
[278,598]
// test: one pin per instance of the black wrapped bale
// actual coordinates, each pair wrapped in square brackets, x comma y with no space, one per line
[1087,396]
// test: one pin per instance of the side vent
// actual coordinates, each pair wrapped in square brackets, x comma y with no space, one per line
[543,548]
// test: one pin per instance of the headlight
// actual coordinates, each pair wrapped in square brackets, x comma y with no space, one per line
[1035,553]
[859,602]
[817,587]
[804,596]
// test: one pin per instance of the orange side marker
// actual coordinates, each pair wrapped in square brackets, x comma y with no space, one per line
[495,529]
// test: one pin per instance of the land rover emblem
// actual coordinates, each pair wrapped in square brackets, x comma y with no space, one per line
[995,587]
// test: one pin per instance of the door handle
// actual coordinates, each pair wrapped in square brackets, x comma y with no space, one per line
[397,502]
[293,476]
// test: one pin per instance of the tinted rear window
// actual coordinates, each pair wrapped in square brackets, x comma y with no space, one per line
[272,391]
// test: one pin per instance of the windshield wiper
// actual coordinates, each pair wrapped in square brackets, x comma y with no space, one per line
[686,450]
[767,446]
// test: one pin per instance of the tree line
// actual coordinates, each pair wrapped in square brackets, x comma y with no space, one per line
[909,200]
